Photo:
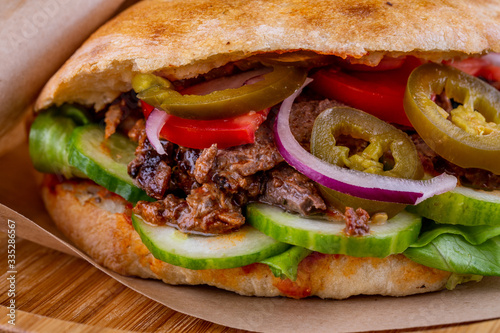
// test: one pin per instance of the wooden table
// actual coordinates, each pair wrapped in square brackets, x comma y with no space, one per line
[56,292]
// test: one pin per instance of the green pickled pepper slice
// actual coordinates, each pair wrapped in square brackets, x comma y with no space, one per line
[381,137]
[469,135]
[272,89]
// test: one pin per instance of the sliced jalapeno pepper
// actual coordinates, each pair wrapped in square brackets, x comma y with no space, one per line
[470,135]
[382,138]
[272,89]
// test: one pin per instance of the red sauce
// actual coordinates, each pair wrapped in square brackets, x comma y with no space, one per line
[249,268]
[293,289]
[127,218]
[308,262]
[50,181]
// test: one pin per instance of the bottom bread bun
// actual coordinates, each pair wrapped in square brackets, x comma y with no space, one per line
[98,222]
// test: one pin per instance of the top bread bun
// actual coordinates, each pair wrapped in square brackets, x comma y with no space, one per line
[181,39]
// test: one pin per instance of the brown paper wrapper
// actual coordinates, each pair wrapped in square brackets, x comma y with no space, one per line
[37,37]
[44,50]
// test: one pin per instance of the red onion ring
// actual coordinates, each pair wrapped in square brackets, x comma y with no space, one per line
[493,58]
[352,182]
[154,124]
[227,82]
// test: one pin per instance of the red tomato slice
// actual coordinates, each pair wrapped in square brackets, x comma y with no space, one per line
[377,92]
[490,73]
[203,133]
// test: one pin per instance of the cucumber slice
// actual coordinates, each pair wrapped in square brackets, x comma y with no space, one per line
[105,161]
[463,206]
[328,237]
[236,249]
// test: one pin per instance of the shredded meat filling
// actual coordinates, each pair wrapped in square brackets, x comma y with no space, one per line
[216,183]
[302,118]
[124,112]
[292,191]
[112,119]
[151,170]
[233,168]
[206,210]
[471,177]
[183,172]
[137,131]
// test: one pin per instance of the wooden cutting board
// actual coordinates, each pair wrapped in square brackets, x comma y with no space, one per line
[56,292]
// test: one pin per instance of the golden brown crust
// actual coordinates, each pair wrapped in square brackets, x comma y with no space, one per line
[97,221]
[184,38]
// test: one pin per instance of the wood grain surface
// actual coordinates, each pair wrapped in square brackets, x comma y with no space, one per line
[56,292]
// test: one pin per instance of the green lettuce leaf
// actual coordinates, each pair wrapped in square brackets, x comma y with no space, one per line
[475,235]
[285,265]
[458,249]
[456,279]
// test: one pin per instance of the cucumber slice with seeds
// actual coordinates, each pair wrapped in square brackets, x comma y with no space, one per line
[236,249]
[328,237]
[105,161]
[463,206]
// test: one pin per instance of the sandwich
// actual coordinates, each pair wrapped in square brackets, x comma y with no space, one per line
[281,148]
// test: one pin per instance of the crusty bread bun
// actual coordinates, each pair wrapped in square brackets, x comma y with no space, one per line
[181,39]
[99,223]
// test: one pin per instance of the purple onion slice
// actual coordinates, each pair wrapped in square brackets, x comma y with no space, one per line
[356,183]
[154,124]
[228,82]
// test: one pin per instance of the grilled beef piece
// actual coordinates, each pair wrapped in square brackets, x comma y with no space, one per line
[302,118]
[122,114]
[470,177]
[206,209]
[112,119]
[292,191]
[183,172]
[152,171]
[137,131]
[234,169]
